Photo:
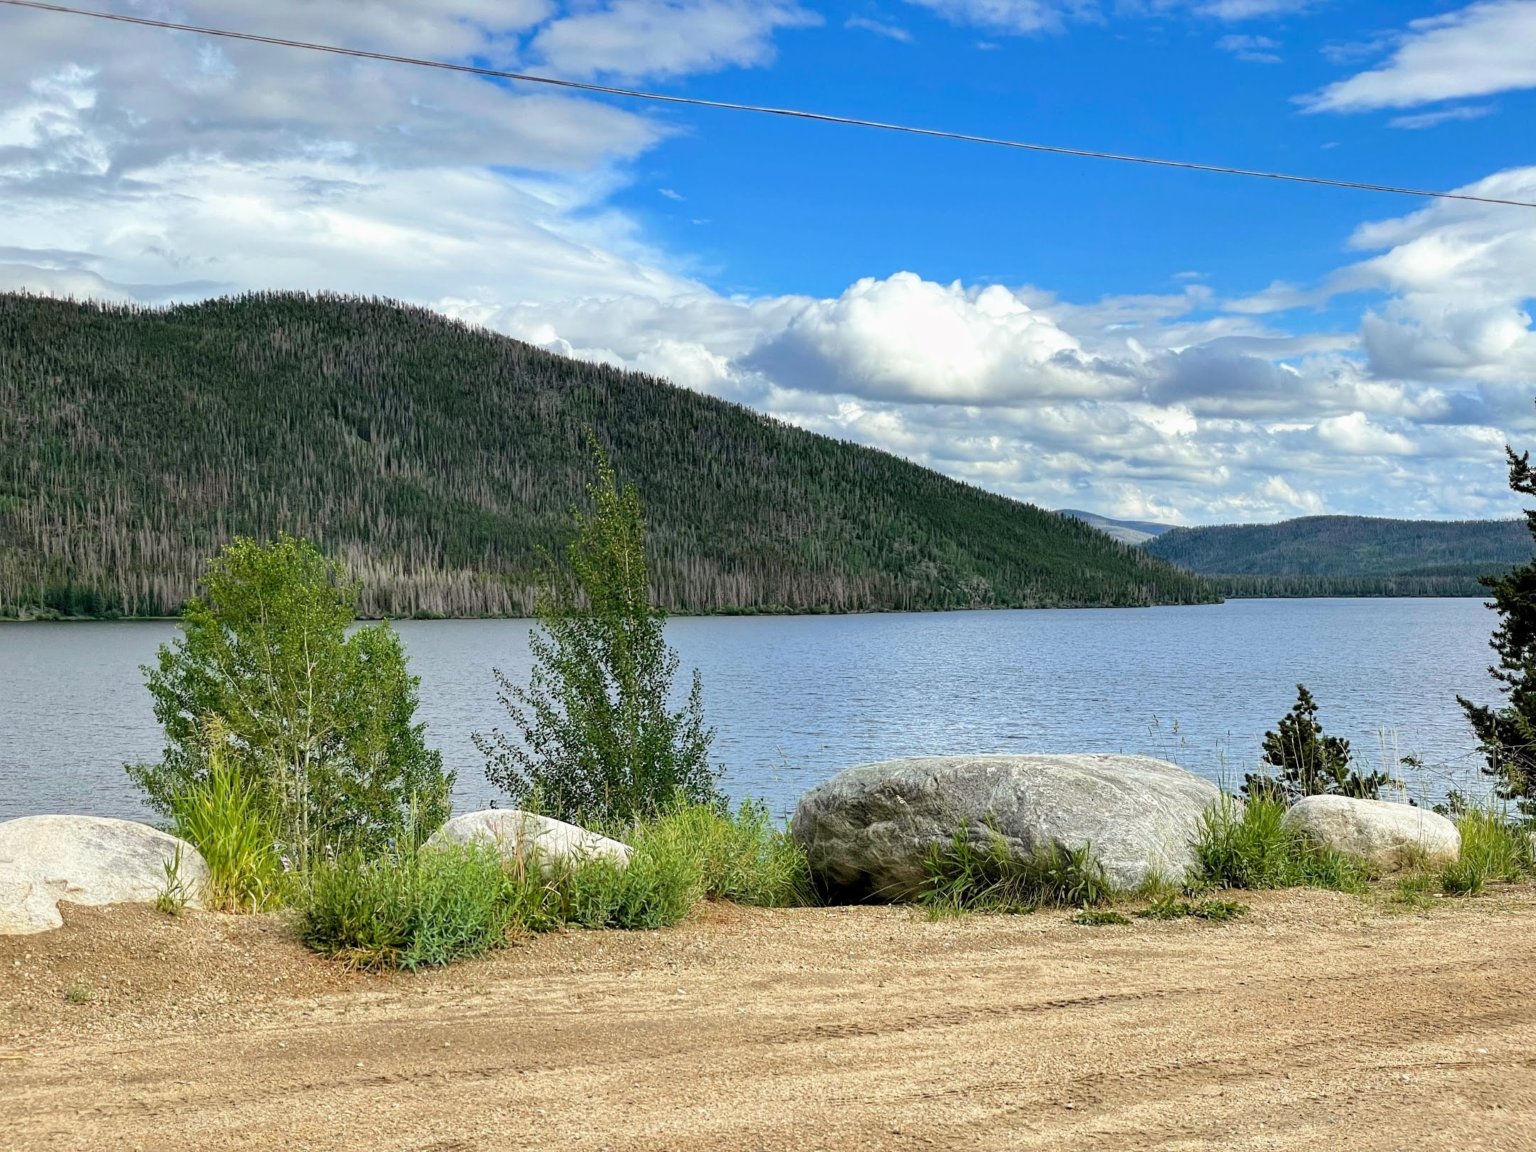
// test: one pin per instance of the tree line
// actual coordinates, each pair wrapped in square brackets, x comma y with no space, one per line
[438,463]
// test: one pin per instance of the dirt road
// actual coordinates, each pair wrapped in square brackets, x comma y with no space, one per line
[1320,1022]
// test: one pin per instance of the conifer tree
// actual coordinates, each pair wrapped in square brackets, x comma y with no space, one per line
[1507,735]
[1309,762]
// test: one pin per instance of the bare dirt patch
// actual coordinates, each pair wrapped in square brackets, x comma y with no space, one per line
[1321,1021]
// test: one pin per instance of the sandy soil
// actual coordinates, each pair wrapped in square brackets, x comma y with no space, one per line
[1320,1022]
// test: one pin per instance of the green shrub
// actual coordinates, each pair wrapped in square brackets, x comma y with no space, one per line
[319,715]
[988,877]
[1248,846]
[1308,762]
[422,909]
[221,814]
[1492,849]
[660,885]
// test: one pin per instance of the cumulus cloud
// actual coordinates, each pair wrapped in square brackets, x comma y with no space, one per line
[1478,50]
[181,170]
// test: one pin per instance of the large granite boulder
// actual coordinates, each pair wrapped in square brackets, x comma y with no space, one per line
[868,830]
[1387,836]
[86,860]
[522,835]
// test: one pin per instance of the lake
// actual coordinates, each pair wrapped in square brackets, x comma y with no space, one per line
[795,699]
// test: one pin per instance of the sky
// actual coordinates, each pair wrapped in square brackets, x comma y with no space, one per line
[1134,341]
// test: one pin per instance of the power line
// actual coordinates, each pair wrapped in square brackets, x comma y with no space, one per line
[791,113]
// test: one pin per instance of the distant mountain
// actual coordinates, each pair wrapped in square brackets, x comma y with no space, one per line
[1126,531]
[440,462]
[1348,555]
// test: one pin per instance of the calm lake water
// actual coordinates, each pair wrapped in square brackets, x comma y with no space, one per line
[795,699]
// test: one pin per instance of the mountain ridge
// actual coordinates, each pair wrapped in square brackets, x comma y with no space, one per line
[439,462]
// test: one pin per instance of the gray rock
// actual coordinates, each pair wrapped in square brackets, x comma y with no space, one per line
[1386,835]
[522,834]
[86,860]
[868,830]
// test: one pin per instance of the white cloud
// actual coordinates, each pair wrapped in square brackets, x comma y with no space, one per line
[879,28]
[631,39]
[1254,49]
[1421,120]
[178,171]
[1479,50]
[1019,17]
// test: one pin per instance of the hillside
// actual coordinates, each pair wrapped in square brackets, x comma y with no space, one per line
[1126,531]
[440,461]
[1348,555]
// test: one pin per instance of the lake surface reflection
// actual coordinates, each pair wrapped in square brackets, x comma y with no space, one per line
[794,699]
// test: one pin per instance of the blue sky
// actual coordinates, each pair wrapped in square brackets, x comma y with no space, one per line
[1135,341]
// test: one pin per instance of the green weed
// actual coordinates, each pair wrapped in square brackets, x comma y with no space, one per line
[225,818]
[1212,908]
[424,909]
[1248,846]
[1099,917]
[1492,849]
[965,875]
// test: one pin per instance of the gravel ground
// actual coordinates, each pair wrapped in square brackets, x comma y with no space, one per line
[1320,1021]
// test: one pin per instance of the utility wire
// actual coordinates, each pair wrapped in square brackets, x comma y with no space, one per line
[791,113]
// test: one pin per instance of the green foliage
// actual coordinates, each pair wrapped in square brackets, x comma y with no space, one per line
[442,460]
[428,907]
[421,909]
[223,816]
[1493,848]
[1307,762]
[744,858]
[984,875]
[599,742]
[1347,555]
[1100,917]
[1416,889]
[1247,846]
[1507,734]
[172,898]
[316,722]
[1170,907]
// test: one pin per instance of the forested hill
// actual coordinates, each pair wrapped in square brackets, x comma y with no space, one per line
[1349,555]
[438,461]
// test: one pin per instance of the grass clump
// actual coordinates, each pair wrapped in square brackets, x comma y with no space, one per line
[1099,917]
[1416,889]
[690,853]
[225,818]
[422,909]
[1248,846]
[970,876]
[1493,848]
[1217,909]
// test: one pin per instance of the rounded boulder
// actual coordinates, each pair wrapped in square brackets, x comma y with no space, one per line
[87,860]
[523,835]
[1386,835]
[868,831]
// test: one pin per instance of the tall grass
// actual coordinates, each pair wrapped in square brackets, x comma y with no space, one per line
[988,876]
[223,816]
[1248,846]
[1493,848]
